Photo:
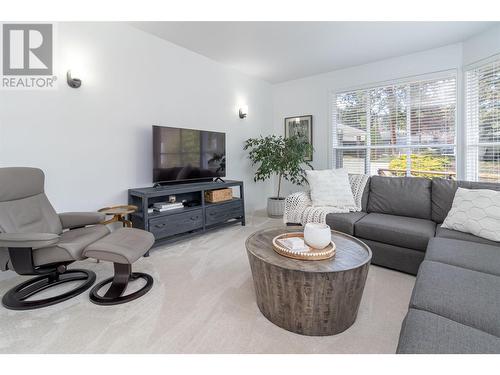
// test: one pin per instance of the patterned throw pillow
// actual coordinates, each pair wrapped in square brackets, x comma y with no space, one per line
[358,183]
[331,187]
[475,211]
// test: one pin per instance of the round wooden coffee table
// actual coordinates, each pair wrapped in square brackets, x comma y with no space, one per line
[316,298]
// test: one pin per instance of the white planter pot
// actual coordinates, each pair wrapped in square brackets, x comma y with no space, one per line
[275,207]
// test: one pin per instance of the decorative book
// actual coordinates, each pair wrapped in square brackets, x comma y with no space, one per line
[294,243]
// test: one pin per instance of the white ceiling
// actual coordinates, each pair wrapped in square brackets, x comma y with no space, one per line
[281,51]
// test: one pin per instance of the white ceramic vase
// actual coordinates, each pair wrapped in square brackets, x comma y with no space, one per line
[317,235]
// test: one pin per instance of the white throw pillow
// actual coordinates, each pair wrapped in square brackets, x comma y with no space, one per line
[331,187]
[475,211]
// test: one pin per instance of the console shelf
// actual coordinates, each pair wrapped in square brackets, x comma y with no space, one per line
[223,202]
[166,213]
[186,221]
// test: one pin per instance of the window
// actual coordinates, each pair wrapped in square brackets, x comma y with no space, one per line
[402,129]
[483,122]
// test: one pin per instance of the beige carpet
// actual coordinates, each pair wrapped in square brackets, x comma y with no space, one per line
[202,302]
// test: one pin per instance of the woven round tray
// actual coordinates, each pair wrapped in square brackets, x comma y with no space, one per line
[311,254]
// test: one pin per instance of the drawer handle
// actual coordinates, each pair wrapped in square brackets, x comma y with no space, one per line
[160,225]
[194,217]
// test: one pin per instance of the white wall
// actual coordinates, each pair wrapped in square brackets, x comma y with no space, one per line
[95,142]
[312,95]
[482,46]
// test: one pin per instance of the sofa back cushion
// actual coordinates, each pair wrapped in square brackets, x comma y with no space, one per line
[366,194]
[403,196]
[443,192]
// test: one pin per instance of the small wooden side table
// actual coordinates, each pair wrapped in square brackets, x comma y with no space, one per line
[119,214]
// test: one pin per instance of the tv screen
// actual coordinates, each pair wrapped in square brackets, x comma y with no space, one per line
[187,154]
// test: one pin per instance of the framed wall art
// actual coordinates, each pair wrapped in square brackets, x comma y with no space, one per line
[300,126]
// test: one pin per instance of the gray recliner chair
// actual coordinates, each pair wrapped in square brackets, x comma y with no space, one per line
[35,240]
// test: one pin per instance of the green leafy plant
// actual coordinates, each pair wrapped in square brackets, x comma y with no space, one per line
[422,163]
[283,157]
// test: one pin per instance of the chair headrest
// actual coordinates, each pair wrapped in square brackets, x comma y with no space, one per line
[20,182]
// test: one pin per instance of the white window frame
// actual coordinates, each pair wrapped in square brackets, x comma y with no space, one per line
[467,154]
[449,73]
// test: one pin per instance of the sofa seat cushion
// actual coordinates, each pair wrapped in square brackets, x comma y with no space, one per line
[468,297]
[402,196]
[427,333]
[456,235]
[473,256]
[402,231]
[70,245]
[344,222]
[395,257]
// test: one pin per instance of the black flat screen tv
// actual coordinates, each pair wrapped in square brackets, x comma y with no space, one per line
[187,154]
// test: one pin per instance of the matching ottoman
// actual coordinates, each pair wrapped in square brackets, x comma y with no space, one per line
[122,247]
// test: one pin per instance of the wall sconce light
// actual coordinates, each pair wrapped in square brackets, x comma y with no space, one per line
[243,111]
[73,82]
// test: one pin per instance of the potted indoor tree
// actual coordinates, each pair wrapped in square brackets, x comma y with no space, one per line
[283,157]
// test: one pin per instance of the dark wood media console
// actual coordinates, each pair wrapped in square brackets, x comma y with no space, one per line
[199,217]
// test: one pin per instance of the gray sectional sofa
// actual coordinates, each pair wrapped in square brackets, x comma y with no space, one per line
[455,305]
[401,215]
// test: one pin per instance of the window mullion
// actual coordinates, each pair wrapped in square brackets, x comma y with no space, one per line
[368,134]
[472,99]
[408,130]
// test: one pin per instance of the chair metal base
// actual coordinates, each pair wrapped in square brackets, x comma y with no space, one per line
[15,299]
[119,282]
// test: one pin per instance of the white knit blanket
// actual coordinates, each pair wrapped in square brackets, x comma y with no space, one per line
[299,208]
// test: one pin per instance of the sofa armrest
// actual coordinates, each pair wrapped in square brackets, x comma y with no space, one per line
[71,220]
[33,240]
[295,204]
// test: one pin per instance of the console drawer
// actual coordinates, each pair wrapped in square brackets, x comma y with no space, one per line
[223,212]
[169,225]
